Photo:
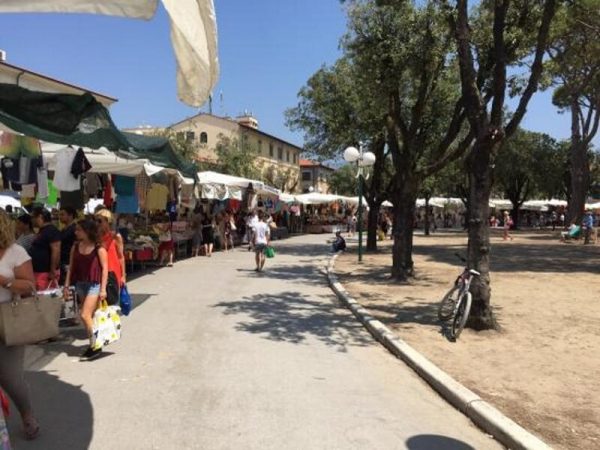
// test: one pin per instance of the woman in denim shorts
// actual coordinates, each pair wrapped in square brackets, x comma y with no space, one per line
[88,273]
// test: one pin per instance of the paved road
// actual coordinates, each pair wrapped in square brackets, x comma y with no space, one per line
[216,356]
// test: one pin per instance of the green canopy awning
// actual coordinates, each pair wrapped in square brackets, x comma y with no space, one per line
[81,121]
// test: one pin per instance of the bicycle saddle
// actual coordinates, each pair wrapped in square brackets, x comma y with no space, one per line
[474,272]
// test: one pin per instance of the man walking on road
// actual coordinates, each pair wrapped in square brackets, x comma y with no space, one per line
[260,239]
[588,226]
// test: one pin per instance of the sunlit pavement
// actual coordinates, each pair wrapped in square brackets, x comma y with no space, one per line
[217,356]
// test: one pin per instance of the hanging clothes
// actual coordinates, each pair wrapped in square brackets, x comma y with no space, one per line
[108,193]
[142,186]
[63,179]
[42,181]
[127,204]
[93,184]
[124,185]
[157,197]
[80,164]
[15,146]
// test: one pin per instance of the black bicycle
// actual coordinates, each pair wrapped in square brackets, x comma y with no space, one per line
[456,304]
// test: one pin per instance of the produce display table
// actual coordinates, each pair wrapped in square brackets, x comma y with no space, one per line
[314,228]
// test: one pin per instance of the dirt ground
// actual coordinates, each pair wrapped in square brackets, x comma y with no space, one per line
[543,368]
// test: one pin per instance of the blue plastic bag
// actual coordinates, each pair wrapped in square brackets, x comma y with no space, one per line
[126,302]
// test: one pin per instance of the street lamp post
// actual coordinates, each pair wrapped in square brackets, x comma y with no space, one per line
[362,159]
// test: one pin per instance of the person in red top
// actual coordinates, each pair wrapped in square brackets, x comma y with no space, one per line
[88,272]
[113,243]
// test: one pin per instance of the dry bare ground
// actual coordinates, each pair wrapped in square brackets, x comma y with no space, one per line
[543,368]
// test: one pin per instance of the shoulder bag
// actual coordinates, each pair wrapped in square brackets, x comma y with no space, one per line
[29,320]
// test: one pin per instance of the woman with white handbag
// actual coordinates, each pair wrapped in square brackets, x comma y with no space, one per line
[88,272]
[16,278]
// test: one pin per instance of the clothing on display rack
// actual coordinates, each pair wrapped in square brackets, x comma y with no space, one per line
[93,184]
[80,164]
[63,179]
[108,193]
[157,197]
[15,146]
[42,180]
[124,185]
[127,204]
[142,186]
[74,199]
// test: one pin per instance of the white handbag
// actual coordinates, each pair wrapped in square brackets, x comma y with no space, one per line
[107,325]
[29,320]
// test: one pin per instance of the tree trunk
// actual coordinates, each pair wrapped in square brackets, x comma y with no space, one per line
[372,227]
[404,213]
[580,170]
[515,214]
[480,186]
[427,224]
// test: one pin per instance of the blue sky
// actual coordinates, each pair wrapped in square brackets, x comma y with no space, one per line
[267,48]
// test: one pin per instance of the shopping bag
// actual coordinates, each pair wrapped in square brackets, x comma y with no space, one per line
[269,252]
[126,302]
[4,439]
[29,320]
[106,325]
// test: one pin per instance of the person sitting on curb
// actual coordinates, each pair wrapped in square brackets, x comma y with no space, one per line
[572,232]
[339,245]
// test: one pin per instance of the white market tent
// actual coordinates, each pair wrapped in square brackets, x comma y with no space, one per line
[220,186]
[315,198]
[103,161]
[592,205]
[193,34]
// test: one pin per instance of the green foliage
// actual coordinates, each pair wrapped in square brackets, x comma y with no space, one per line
[180,144]
[530,164]
[343,181]
[236,158]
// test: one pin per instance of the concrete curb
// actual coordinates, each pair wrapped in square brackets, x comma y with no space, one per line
[488,418]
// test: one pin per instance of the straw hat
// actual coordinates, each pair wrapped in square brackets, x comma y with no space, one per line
[105,214]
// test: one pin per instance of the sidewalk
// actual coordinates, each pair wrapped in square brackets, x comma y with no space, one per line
[219,357]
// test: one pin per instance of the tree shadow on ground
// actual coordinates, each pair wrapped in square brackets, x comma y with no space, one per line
[64,411]
[524,257]
[296,318]
[301,274]
[437,442]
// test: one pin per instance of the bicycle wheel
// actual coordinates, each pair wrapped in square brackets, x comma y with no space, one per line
[446,308]
[462,314]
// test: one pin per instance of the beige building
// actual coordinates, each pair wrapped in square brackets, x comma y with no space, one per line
[277,159]
[314,177]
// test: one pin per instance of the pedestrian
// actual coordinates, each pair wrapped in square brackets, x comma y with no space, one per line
[16,278]
[113,244]
[588,226]
[339,244]
[88,273]
[45,250]
[554,219]
[208,236]
[562,220]
[66,216]
[252,222]
[196,224]
[25,234]
[507,223]
[228,227]
[261,239]
[166,246]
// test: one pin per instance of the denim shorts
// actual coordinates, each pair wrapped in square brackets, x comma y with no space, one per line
[85,288]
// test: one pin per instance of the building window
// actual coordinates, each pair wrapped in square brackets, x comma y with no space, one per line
[190,136]
[295,159]
[306,176]
[280,153]
[203,138]
[287,156]
[259,147]
[271,151]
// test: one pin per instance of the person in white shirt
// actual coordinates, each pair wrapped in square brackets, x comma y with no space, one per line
[260,238]
[251,222]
